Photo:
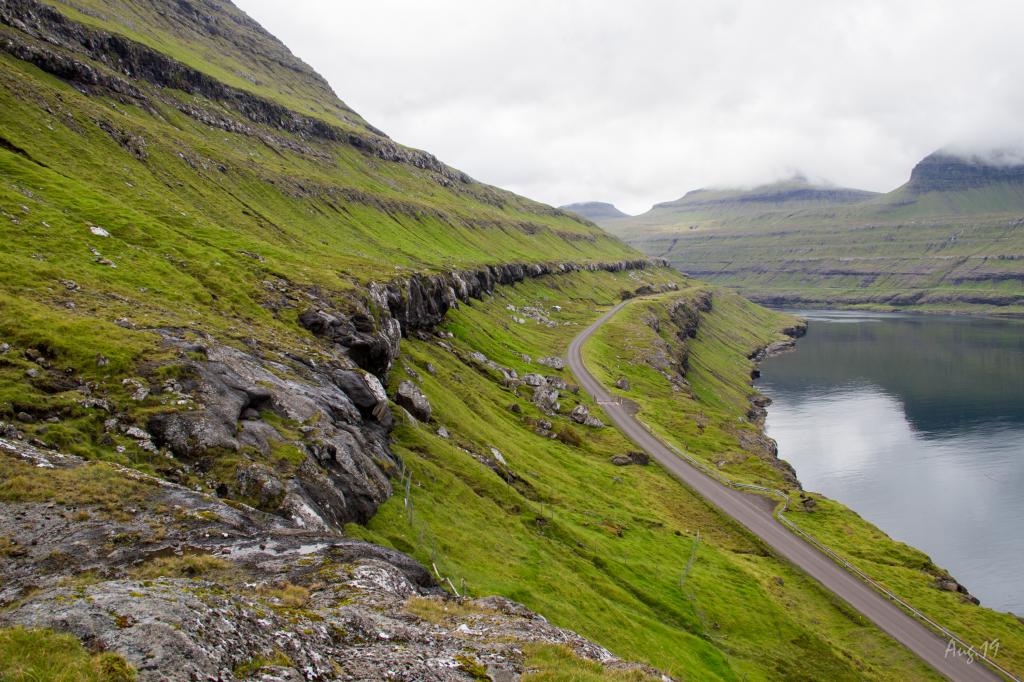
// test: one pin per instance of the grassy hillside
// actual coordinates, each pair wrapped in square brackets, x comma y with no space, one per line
[709,417]
[171,174]
[956,244]
[604,549]
[130,205]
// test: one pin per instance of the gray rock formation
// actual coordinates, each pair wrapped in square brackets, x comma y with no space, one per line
[546,399]
[412,399]
[581,415]
[186,588]
[346,473]
[552,362]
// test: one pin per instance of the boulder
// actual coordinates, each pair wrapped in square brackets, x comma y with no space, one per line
[534,380]
[546,398]
[552,362]
[364,390]
[622,384]
[412,399]
[579,414]
[259,484]
[639,457]
[631,457]
[558,382]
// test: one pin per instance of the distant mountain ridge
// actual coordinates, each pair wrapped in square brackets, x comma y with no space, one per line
[797,189]
[950,238]
[595,210]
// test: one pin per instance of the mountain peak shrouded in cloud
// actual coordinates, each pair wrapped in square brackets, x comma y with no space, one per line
[955,169]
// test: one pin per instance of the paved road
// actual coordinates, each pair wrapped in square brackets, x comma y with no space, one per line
[911,633]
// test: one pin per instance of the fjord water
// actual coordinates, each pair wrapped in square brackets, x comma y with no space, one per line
[916,423]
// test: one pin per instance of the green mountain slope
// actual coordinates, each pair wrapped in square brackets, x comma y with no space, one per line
[240,327]
[952,238]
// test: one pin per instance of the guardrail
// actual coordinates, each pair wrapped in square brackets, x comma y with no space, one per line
[827,551]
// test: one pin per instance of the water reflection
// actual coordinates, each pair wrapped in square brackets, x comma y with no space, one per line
[917,423]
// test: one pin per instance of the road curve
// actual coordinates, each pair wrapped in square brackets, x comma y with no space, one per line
[886,615]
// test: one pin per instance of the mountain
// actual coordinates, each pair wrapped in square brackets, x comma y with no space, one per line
[595,211]
[281,398]
[951,239]
[794,192]
[946,172]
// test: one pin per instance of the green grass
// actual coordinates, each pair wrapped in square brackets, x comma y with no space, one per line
[212,233]
[912,575]
[228,235]
[204,566]
[29,655]
[98,485]
[706,417]
[719,393]
[594,547]
[558,663]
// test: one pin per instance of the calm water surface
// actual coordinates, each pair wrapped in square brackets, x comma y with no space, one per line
[917,423]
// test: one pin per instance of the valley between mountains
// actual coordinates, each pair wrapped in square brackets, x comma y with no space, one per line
[282,399]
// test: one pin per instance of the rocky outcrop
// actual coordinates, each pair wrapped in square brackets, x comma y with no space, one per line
[371,328]
[186,588]
[340,403]
[552,362]
[686,313]
[345,434]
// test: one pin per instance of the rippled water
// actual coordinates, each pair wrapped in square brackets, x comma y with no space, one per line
[917,423]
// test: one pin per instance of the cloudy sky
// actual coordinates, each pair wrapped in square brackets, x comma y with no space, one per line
[639,102]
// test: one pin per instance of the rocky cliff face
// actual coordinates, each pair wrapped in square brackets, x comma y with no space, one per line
[945,172]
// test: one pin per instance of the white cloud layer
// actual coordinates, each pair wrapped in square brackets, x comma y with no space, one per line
[639,102]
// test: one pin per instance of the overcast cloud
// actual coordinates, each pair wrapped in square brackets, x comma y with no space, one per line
[636,102]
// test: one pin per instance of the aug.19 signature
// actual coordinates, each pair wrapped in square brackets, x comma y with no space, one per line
[987,650]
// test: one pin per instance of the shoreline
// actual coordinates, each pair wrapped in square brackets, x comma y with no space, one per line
[760,403]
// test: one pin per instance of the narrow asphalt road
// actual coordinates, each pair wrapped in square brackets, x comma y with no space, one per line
[886,615]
